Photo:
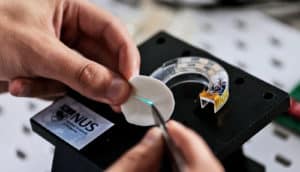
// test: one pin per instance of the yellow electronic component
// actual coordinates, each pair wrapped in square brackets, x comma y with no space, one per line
[214,98]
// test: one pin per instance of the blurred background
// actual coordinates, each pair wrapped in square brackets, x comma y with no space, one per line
[259,36]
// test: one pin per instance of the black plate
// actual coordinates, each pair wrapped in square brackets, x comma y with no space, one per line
[252,105]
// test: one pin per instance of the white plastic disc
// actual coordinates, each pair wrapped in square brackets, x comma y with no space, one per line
[137,112]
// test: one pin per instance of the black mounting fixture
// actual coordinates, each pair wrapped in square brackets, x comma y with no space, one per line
[252,104]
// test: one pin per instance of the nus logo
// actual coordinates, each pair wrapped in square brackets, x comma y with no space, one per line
[66,112]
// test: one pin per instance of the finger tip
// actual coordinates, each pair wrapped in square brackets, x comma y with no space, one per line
[116,109]
[155,130]
[17,88]
[119,91]
[174,124]
[13,91]
[125,94]
[153,134]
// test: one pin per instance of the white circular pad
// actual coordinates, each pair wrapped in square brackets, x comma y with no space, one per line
[138,113]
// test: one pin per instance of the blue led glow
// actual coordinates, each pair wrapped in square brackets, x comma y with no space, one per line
[145,100]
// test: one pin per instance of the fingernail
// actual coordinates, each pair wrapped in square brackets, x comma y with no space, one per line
[152,136]
[174,124]
[117,90]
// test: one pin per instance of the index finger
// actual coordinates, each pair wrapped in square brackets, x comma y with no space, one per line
[97,23]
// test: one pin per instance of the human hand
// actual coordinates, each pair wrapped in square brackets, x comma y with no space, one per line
[198,156]
[46,45]
[146,155]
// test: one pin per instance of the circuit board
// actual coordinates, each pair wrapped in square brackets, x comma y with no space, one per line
[287,120]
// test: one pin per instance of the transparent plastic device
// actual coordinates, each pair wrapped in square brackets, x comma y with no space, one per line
[194,69]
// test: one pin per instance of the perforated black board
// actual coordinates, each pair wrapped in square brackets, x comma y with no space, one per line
[251,106]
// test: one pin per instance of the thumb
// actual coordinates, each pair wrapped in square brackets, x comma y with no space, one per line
[89,78]
[145,156]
